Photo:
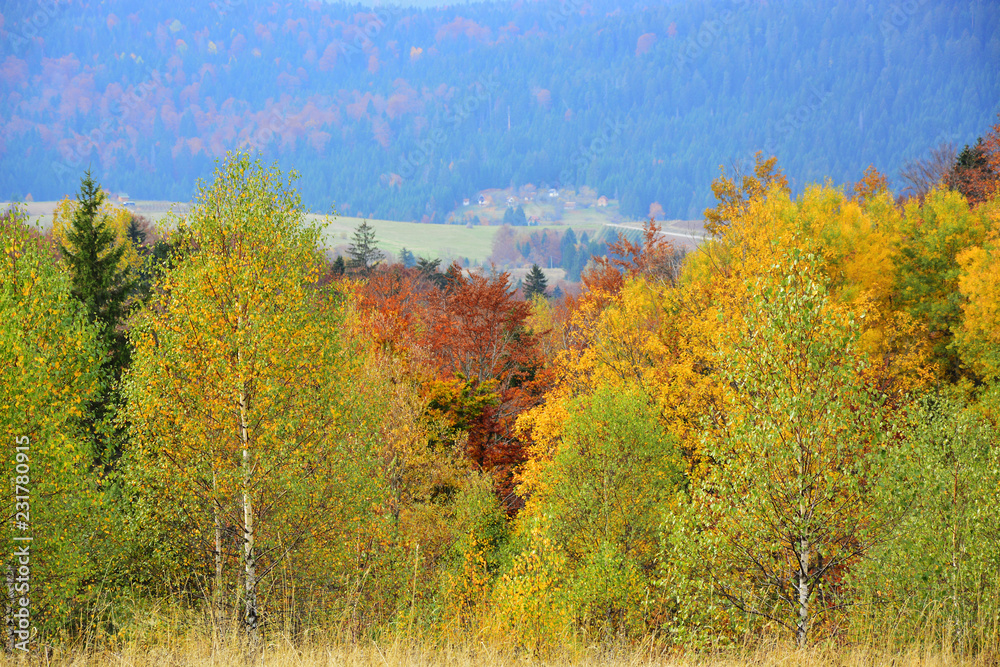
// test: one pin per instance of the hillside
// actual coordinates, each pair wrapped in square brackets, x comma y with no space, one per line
[401,114]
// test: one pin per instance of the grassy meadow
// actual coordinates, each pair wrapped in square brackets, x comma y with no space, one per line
[447,242]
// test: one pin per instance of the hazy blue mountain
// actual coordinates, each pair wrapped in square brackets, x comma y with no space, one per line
[401,112]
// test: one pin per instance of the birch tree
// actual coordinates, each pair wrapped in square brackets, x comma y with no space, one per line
[235,393]
[798,445]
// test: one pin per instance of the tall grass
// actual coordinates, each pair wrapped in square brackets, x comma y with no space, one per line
[170,635]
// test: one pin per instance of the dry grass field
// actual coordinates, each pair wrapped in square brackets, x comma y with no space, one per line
[199,652]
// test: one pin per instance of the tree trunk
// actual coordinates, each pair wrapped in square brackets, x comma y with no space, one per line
[249,556]
[802,584]
[802,580]
[251,614]
[217,593]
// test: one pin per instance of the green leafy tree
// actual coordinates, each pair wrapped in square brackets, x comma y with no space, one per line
[535,282]
[935,235]
[795,455]
[50,368]
[943,564]
[236,398]
[592,521]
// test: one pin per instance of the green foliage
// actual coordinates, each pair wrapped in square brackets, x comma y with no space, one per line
[935,233]
[407,259]
[238,407]
[515,217]
[790,491]
[94,258]
[50,367]
[943,564]
[592,528]
[364,250]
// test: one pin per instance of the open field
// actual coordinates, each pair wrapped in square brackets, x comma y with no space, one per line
[447,242]
[40,212]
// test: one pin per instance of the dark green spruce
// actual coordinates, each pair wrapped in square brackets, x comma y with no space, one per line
[535,282]
[93,257]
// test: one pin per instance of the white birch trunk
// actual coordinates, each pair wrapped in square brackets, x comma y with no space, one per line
[251,614]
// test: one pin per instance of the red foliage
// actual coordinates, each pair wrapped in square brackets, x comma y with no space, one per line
[469,328]
[654,257]
[976,172]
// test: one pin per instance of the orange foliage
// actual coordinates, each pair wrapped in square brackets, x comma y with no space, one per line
[469,337]
[655,257]
[872,183]
[976,172]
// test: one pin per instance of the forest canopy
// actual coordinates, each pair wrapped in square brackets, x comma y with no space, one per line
[791,431]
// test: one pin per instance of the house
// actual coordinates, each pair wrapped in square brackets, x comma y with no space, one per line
[570,205]
[511,201]
[553,193]
[602,201]
[465,202]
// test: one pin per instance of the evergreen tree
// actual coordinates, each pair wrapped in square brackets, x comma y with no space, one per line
[972,174]
[520,219]
[364,250]
[535,282]
[429,271]
[137,235]
[339,266]
[407,259]
[453,277]
[567,252]
[104,288]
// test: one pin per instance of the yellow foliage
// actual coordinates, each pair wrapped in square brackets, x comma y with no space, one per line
[528,602]
[979,337]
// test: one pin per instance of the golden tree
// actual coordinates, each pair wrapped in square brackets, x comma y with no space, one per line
[237,395]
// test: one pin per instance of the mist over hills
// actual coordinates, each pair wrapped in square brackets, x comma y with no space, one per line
[400,113]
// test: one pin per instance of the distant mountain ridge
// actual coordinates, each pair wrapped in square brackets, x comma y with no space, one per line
[401,113]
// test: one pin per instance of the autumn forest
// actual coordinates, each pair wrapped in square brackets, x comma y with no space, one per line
[788,434]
